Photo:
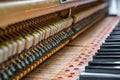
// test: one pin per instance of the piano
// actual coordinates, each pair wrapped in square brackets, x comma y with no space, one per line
[106,61]
[50,40]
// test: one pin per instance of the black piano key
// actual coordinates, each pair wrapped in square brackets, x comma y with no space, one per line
[102,69]
[110,46]
[107,53]
[115,33]
[99,76]
[111,43]
[106,60]
[114,36]
[106,57]
[109,50]
[103,63]
[109,56]
[112,40]
[116,29]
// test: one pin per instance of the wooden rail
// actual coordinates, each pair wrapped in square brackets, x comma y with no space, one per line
[13,12]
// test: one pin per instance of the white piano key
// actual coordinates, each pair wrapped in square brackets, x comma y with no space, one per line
[99,76]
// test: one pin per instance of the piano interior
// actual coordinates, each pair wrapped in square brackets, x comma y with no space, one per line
[58,40]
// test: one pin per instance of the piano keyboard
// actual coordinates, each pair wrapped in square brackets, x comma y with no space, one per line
[106,61]
[27,44]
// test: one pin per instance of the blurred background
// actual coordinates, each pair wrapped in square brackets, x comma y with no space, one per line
[114,8]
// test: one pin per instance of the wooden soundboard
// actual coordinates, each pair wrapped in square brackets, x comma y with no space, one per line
[70,61]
